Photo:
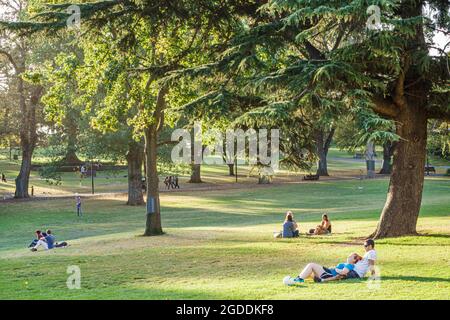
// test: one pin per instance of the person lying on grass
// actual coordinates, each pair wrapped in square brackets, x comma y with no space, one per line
[355,268]
[321,273]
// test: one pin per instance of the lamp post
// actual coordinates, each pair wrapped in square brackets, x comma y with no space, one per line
[92,176]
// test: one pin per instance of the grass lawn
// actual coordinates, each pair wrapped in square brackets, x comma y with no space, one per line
[219,244]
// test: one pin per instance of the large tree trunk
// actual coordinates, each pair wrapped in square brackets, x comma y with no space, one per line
[196,173]
[153,223]
[388,150]
[71,157]
[401,210]
[135,157]
[196,176]
[323,141]
[22,180]
[230,169]
[28,137]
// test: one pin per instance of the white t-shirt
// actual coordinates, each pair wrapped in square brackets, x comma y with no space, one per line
[362,266]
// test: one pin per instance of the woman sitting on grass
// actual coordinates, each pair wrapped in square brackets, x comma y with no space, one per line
[290,227]
[322,274]
[324,227]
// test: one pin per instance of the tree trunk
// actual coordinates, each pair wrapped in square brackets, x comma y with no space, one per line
[401,210]
[196,173]
[195,168]
[28,137]
[153,224]
[230,169]
[323,141]
[388,149]
[71,157]
[22,180]
[135,157]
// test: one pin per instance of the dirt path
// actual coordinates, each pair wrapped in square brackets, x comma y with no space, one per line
[245,183]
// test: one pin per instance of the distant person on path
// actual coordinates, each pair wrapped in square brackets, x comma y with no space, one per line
[175,184]
[83,171]
[78,203]
[166,182]
[290,227]
[324,227]
[4,178]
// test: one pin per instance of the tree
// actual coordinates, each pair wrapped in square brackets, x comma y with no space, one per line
[16,50]
[389,71]
[160,37]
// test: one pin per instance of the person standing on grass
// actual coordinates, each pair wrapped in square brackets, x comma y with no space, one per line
[176,185]
[78,200]
[4,178]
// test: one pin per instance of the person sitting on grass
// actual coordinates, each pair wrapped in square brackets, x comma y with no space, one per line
[47,241]
[42,242]
[38,234]
[290,227]
[324,227]
[321,273]
[51,241]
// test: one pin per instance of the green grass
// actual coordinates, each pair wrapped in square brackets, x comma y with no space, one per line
[219,245]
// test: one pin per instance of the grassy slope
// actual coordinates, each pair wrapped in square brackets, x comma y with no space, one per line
[220,245]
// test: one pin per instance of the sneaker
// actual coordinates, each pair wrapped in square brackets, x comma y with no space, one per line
[33,249]
[298,280]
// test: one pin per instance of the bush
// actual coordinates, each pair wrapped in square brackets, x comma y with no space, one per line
[50,174]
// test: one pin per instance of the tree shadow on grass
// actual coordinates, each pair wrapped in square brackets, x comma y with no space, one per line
[387,278]
[415,278]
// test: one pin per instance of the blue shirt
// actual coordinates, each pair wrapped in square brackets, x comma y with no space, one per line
[50,241]
[341,266]
[288,229]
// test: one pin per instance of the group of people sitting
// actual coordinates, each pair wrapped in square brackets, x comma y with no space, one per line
[291,230]
[355,267]
[45,240]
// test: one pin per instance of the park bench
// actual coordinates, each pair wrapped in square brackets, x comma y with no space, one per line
[429,169]
[311,177]
[358,156]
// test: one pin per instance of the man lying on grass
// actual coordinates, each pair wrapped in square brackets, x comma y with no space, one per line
[356,267]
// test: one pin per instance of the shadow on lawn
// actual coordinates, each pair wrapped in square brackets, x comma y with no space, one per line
[415,278]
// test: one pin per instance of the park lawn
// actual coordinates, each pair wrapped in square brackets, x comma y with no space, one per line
[219,245]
